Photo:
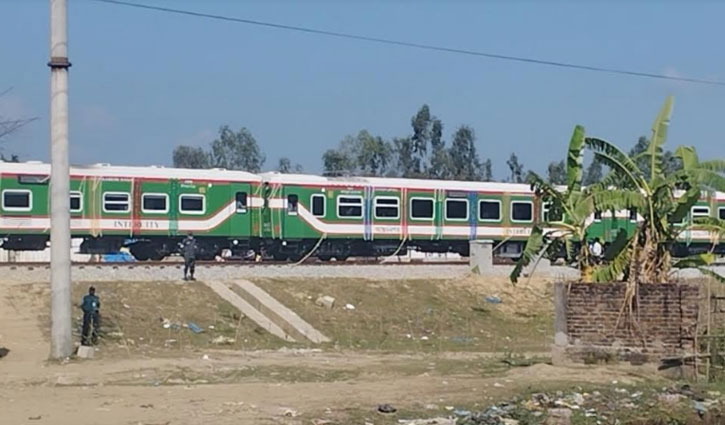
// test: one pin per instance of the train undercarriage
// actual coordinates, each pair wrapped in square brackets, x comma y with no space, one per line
[340,249]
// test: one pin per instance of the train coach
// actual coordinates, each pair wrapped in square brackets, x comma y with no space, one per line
[365,216]
[147,209]
[287,216]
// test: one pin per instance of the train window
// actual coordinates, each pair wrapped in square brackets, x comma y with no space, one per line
[421,209]
[192,204]
[597,216]
[318,205]
[157,203]
[292,201]
[700,212]
[349,206]
[489,210]
[76,202]
[633,214]
[456,209]
[17,200]
[116,202]
[387,207]
[241,202]
[522,211]
[550,214]
[721,213]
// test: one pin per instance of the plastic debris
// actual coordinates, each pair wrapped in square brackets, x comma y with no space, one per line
[493,299]
[349,306]
[430,421]
[386,408]
[700,408]
[424,338]
[325,301]
[195,328]
[290,413]
[223,340]
[462,412]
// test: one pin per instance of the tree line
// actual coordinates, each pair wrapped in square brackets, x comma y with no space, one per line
[423,153]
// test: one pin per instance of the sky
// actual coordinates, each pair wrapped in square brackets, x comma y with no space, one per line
[143,82]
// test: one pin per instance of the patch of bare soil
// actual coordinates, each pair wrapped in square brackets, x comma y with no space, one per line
[152,383]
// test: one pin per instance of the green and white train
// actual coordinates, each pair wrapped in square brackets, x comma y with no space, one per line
[284,216]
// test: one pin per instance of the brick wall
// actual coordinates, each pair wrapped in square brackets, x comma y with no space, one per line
[667,320]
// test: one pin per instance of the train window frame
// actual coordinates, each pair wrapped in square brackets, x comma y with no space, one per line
[359,203]
[312,204]
[490,220]
[721,213]
[155,211]
[386,198]
[698,215]
[511,212]
[241,203]
[468,209]
[293,203]
[545,209]
[433,208]
[192,212]
[79,195]
[18,191]
[127,203]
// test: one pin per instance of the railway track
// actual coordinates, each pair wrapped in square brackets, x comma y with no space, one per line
[233,263]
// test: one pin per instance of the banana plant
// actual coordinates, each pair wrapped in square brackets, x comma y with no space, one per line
[569,215]
[646,257]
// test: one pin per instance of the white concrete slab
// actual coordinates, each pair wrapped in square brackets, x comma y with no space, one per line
[260,319]
[282,312]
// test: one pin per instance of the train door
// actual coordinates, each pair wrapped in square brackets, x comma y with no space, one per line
[291,224]
[241,219]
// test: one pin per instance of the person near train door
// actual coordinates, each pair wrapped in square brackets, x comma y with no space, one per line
[91,306]
[189,249]
[597,250]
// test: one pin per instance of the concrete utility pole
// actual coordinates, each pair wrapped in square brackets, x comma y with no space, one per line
[61,341]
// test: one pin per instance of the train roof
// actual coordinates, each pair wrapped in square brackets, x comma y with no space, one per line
[107,170]
[314,180]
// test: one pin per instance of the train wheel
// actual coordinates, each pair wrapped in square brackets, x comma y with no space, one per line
[279,256]
[325,257]
[141,252]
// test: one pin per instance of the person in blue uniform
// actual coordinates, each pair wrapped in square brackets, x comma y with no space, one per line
[189,249]
[91,306]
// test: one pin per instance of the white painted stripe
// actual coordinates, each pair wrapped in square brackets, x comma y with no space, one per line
[18,223]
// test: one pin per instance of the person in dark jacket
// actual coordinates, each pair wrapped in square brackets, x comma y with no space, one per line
[90,305]
[189,250]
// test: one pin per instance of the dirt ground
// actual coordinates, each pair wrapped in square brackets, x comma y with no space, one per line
[195,382]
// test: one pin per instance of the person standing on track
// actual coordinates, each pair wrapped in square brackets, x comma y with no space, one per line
[90,305]
[189,250]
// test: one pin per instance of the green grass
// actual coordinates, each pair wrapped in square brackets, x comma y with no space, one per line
[413,315]
[132,315]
